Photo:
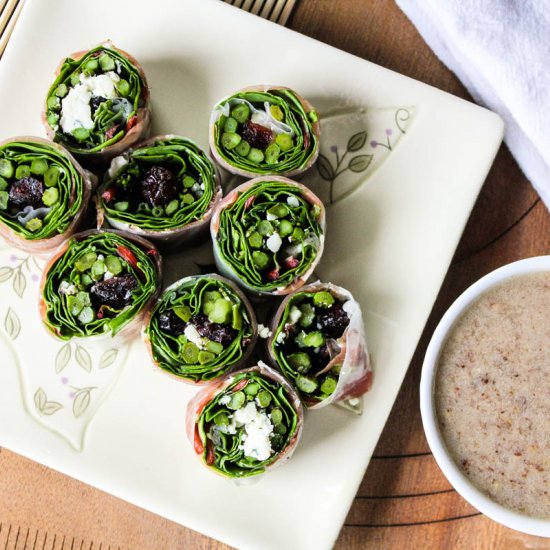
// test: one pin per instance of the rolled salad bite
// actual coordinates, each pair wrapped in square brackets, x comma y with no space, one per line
[164,190]
[44,194]
[202,327]
[318,342]
[268,235]
[264,130]
[246,422]
[98,105]
[99,283]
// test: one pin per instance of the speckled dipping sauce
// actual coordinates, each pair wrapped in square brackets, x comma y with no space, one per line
[492,393]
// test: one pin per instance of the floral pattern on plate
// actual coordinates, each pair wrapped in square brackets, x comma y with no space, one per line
[64,391]
[352,146]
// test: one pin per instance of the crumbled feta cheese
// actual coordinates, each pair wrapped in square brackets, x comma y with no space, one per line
[192,334]
[294,315]
[67,288]
[100,257]
[116,164]
[75,106]
[75,109]
[202,186]
[292,201]
[195,187]
[270,217]
[348,307]
[281,337]
[263,331]
[258,428]
[274,242]
[225,399]
[108,275]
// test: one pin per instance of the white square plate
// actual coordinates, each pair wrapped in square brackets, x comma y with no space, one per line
[390,240]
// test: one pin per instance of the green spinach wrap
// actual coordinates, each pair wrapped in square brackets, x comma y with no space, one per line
[44,194]
[264,130]
[201,327]
[318,342]
[98,105]
[99,283]
[268,235]
[246,422]
[165,190]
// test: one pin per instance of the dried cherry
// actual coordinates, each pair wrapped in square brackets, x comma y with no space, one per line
[26,191]
[256,135]
[115,292]
[217,332]
[159,186]
[334,321]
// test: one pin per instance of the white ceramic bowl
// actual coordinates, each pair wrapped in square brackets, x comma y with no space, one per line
[460,482]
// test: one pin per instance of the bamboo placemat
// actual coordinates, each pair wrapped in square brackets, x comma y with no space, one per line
[9,13]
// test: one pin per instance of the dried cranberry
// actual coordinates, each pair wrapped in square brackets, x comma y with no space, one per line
[26,191]
[109,134]
[114,292]
[334,321]
[291,262]
[159,186]
[257,135]
[217,332]
[172,324]
[95,102]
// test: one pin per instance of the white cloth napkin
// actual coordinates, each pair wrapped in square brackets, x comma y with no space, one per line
[500,49]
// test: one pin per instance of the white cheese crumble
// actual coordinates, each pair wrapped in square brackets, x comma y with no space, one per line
[67,288]
[192,334]
[294,315]
[274,242]
[281,337]
[258,428]
[116,164]
[292,201]
[75,106]
[263,331]
[270,217]
[348,307]
[108,275]
[225,399]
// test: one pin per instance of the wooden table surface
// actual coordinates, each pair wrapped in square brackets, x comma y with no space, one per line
[404,501]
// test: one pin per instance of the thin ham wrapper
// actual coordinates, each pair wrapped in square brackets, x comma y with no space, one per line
[288,123]
[65,189]
[100,284]
[349,350]
[192,185]
[119,122]
[272,392]
[213,312]
[284,227]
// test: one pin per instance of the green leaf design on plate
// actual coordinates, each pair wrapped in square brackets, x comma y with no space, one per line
[82,401]
[51,407]
[12,324]
[40,398]
[108,358]
[357,141]
[19,283]
[360,163]
[63,357]
[326,171]
[5,273]
[43,405]
[83,358]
